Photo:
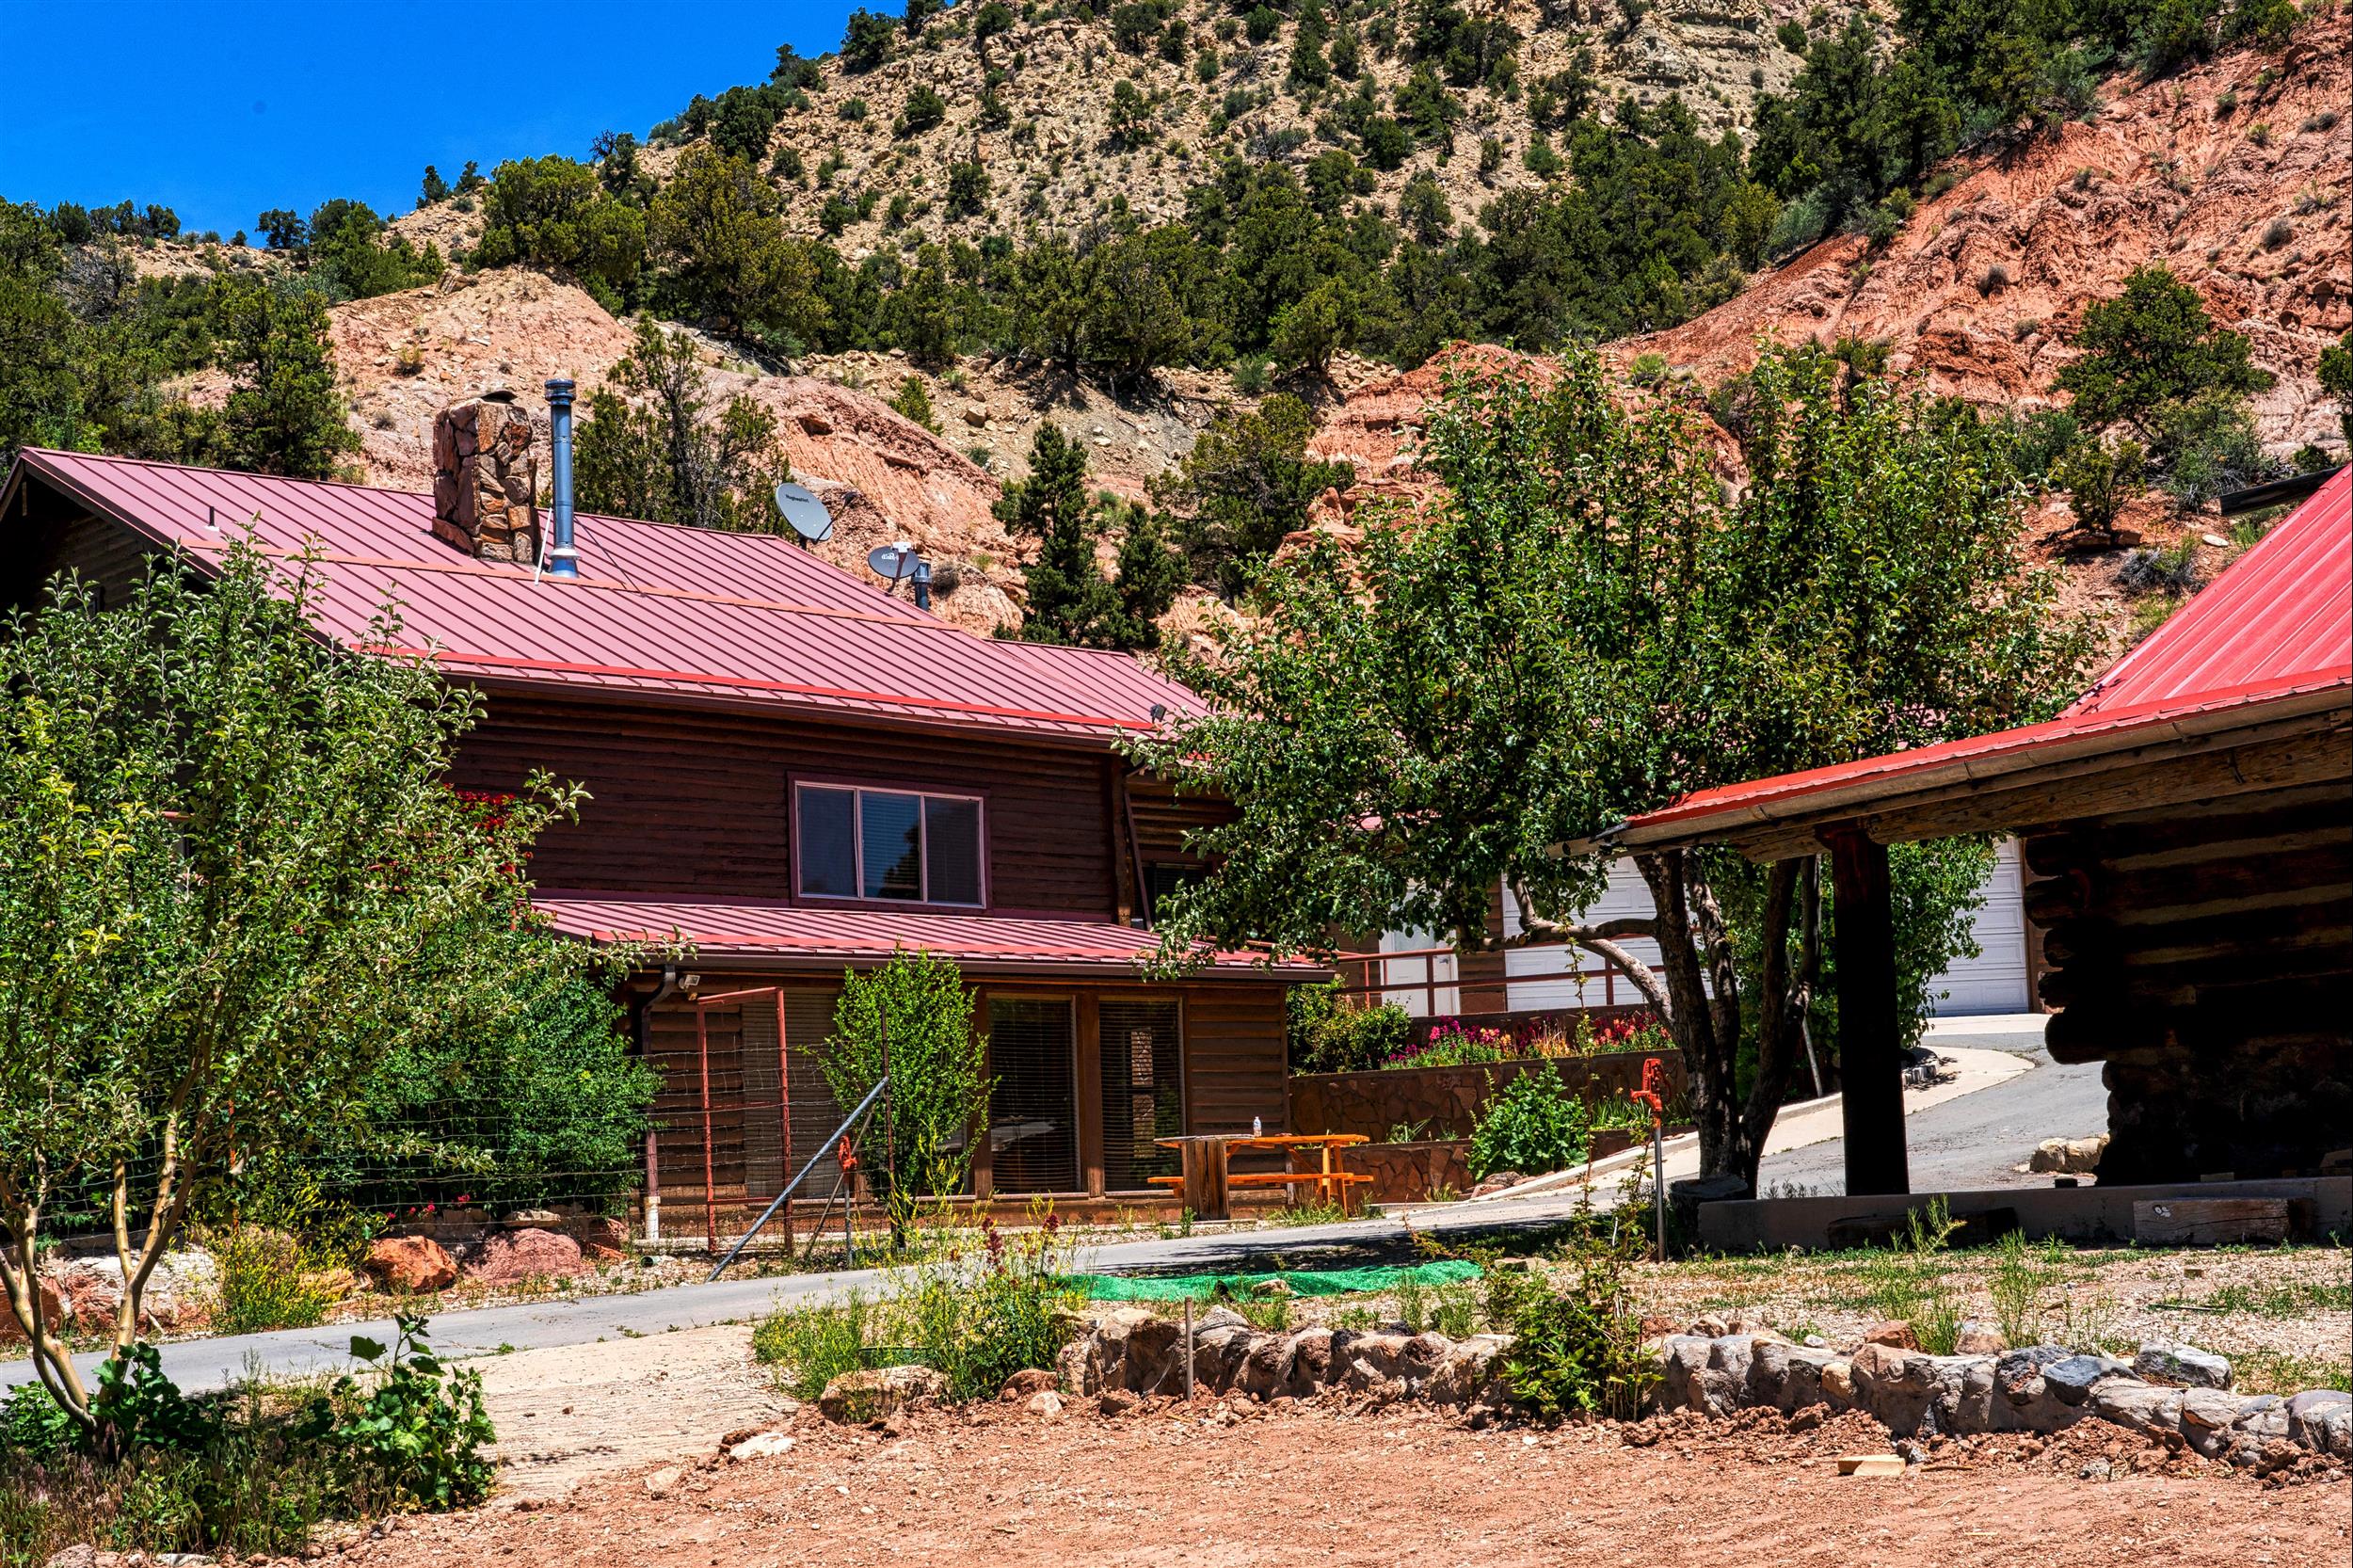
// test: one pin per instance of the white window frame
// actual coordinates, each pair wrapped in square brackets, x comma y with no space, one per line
[923,844]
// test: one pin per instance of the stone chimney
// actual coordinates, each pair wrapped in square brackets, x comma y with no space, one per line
[486,479]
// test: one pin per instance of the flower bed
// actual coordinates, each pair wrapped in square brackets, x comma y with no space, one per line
[1438,1103]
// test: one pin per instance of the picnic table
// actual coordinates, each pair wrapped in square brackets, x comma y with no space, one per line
[1206,1181]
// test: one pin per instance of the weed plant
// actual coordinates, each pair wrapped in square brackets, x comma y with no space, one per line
[254,1469]
[1267,1314]
[978,1306]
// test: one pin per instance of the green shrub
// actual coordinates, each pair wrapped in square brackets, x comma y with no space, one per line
[979,1314]
[810,1346]
[2099,479]
[1577,1344]
[916,1012]
[914,401]
[1330,1033]
[265,1281]
[2209,445]
[416,1438]
[250,1470]
[1534,1125]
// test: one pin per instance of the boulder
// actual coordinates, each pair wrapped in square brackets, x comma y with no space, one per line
[1046,1404]
[509,1256]
[2139,1406]
[2322,1420]
[2071,1379]
[1025,1382]
[2208,1415]
[411,1265]
[1897,1334]
[874,1393]
[604,1239]
[1136,1350]
[2068,1155]
[2185,1365]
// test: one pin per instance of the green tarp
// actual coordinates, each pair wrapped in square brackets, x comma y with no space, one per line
[1302,1282]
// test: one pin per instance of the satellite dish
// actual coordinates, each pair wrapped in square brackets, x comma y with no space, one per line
[895,563]
[804,512]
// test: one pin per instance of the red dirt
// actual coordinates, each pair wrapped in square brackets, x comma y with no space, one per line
[1306,1485]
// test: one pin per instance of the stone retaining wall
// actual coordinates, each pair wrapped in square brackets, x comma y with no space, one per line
[2041,1388]
[1134,1353]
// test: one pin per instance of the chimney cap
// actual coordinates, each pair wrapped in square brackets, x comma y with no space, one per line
[559,388]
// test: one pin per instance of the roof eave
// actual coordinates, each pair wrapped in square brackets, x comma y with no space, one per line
[1880,793]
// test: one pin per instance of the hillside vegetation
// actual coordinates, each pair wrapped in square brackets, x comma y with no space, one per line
[1137,223]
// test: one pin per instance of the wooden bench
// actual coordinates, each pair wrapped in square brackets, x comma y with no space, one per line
[1334,1186]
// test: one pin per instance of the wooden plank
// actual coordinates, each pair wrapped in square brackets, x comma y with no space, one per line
[2209,1222]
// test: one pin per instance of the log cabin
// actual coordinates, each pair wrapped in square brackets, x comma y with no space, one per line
[2188,823]
[791,772]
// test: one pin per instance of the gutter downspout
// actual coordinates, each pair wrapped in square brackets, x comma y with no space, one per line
[654,1159]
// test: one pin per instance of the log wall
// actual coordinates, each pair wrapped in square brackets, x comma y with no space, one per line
[2204,952]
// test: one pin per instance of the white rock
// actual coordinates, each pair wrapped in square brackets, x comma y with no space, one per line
[765,1444]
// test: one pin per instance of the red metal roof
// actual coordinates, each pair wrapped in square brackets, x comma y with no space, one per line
[2274,632]
[783,932]
[661,610]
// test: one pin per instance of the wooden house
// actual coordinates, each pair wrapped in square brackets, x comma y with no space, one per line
[2189,824]
[789,769]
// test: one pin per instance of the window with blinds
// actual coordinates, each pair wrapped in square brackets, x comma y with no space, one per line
[889,845]
[1034,1111]
[1143,1091]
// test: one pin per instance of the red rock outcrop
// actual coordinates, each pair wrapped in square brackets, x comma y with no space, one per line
[2234,173]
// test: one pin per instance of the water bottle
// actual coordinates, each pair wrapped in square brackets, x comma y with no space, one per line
[1257,1128]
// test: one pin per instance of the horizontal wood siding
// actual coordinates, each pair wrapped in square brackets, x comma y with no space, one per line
[1234,1066]
[2205,952]
[696,805]
[54,534]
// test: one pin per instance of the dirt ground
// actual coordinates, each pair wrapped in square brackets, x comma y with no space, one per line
[630,1473]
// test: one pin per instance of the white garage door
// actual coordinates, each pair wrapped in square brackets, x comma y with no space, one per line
[1996,981]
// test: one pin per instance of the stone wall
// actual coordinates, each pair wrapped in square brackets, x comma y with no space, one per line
[1445,1102]
[486,479]
[1410,1172]
[2038,1388]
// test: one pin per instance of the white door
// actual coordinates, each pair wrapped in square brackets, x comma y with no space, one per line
[1996,980]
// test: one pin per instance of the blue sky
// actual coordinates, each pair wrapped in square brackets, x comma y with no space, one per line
[219,109]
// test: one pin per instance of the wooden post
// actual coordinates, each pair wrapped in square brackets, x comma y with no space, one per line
[1870,1068]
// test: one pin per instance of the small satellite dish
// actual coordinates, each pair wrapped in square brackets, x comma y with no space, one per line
[804,512]
[895,563]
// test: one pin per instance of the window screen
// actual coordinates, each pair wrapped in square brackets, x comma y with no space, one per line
[892,845]
[1033,1113]
[1143,1091]
[952,849]
[828,848]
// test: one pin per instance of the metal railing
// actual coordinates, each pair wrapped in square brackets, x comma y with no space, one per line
[1431,982]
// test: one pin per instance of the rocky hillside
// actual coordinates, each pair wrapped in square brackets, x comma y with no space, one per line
[403,356]
[2237,173]
[1055,163]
